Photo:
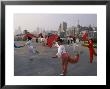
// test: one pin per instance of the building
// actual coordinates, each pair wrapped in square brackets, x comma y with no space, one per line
[62,30]
[25,31]
[18,31]
[54,32]
[92,31]
[70,31]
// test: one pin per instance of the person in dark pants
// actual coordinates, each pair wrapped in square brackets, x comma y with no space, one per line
[68,40]
[71,40]
[36,40]
[74,39]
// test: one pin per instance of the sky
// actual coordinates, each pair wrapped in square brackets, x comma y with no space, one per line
[52,21]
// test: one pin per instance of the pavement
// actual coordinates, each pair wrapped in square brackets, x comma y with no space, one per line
[42,64]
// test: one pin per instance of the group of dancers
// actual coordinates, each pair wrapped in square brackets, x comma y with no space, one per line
[66,58]
[62,54]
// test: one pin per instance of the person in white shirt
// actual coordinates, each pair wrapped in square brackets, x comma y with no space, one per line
[31,48]
[61,48]
[77,46]
[65,57]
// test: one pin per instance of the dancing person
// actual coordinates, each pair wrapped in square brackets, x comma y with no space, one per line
[91,49]
[65,57]
[31,48]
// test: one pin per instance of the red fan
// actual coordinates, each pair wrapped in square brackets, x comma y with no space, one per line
[51,39]
[85,36]
[29,35]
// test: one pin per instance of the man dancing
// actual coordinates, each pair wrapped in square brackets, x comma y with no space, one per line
[30,46]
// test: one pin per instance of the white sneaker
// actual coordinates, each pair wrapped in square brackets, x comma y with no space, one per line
[61,74]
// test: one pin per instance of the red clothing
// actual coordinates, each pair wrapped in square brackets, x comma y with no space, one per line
[85,37]
[68,58]
[91,50]
[51,39]
[65,56]
[29,35]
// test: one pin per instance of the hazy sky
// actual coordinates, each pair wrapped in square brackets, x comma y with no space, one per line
[52,21]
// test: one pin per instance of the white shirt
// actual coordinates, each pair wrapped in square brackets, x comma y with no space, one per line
[31,47]
[29,44]
[77,40]
[61,49]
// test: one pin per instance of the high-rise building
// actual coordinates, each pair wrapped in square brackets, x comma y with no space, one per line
[62,29]
[18,31]
[78,28]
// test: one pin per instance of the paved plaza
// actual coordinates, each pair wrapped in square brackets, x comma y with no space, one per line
[42,64]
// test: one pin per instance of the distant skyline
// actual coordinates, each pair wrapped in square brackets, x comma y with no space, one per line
[52,21]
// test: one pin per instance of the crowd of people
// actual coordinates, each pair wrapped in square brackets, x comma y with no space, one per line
[62,54]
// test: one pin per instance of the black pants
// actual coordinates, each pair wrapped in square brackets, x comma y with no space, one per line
[68,42]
